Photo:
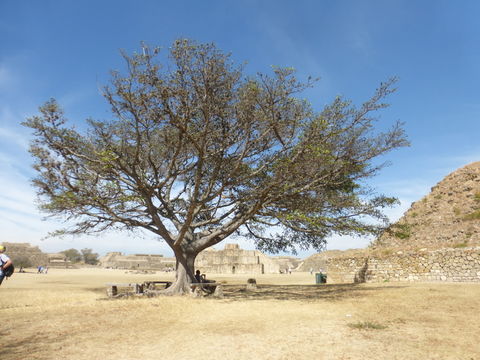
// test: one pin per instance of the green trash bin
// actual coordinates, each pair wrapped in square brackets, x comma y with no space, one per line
[320,278]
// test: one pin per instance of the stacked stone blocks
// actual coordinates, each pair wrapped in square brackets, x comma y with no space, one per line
[449,265]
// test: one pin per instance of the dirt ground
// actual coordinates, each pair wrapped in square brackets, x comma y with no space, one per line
[65,314]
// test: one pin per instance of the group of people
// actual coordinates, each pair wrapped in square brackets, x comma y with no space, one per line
[5,262]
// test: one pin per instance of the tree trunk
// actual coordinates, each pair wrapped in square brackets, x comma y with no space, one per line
[185,268]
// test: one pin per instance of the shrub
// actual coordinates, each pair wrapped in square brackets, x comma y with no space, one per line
[477,196]
[367,325]
[73,255]
[402,231]
[473,216]
[22,261]
[386,252]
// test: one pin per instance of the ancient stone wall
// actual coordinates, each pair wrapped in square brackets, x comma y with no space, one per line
[58,260]
[116,260]
[437,239]
[233,260]
[450,265]
[347,269]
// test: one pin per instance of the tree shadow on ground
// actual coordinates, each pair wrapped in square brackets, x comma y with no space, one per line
[17,347]
[331,292]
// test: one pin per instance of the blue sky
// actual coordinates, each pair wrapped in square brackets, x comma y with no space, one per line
[65,49]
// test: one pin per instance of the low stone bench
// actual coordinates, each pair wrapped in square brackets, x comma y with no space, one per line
[112,288]
[151,285]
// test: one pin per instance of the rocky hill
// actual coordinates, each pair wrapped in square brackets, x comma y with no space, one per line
[448,217]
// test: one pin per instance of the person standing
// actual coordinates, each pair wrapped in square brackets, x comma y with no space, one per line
[5,262]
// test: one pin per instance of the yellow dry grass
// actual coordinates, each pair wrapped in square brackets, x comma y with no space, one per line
[65,315]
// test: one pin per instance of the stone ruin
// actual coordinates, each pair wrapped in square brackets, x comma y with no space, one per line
[35,256]
[288,263]
[234,260]
[447,217]
[453,265]
[117,260]
[317,262]
[437,239]
[231,260]
[24,250]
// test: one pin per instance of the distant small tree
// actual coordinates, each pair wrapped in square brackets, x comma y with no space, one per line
[73,255]
[196,151]
[22,261]
[89,257]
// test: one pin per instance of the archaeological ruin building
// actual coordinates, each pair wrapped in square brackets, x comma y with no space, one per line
[234,260]
[231,260]
[25,253]
[437,239]
[117,260]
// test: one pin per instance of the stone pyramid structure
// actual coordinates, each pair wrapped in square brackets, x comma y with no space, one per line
[448,217]
[17,251]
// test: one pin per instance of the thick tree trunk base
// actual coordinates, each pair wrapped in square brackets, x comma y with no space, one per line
[178,288]
[185,267]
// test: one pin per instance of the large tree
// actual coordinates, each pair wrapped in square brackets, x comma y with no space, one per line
[197,151]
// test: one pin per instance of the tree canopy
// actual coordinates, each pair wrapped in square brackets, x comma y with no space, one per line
[196,151]
[73,255]
[89,257]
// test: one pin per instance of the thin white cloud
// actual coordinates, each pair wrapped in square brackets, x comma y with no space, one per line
[12,133]
[11,136]
[360,41]
[10,77]
[6,77]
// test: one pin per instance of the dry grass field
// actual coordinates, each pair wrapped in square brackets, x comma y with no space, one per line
[66,315]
